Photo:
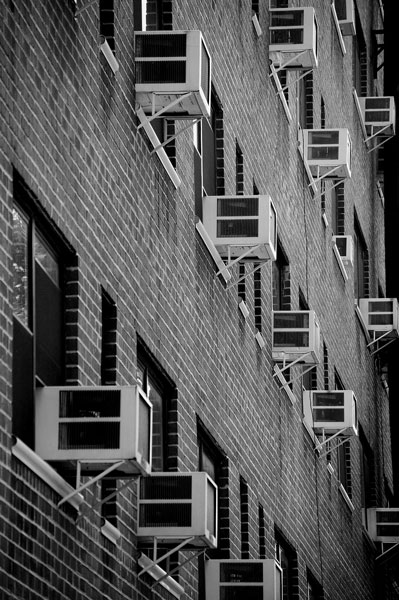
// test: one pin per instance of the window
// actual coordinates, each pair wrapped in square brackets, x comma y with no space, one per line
[258,296]
[314,589]
[338,209]
[343,454]
[239,171]
[281,281]
[38,305]
[244,515]
[162,393]
[109,507]
[367,474]
[286,557]
[326,368]
[359,60]
[108,340]
[262,531]
[322,113]
[152,15]
[361,265]
[107,22]
[309,377]
[209,155]
[305,101]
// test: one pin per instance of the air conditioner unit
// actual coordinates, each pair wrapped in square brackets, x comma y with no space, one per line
[235,223]
[383,525]
[327,152]
[331,411]
[243,579]
[176,506]
[296,335]
[378,113]
[293,38]
[379,314]
[346,16]
[344,244]
[169,66]
[95,425]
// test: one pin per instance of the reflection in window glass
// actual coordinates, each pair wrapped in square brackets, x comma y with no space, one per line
[45,258]
[20,281]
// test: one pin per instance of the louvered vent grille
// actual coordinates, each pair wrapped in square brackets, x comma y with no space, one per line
[148,46]
[165,515]
[77,404]
[88,435]
[166,488]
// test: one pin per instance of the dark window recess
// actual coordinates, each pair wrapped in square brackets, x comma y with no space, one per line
[305,101]
[39,257]
[337,196]
[239,170]
[361,260]
[244,514]
[326,368]
[359,59]
[108,340]
[281,281]
[241,284]
[286,557]
[258,297]
[322,113]
[262,531]
[107,22]
[163,395]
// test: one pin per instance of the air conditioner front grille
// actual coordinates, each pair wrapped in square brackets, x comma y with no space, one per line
[241,573]
[380,319]
[160,45]
[89,403]
[377,102]
[161,72]
[323,152]
[377,116]
[237,228]
[287,18]
[334,415]
[342,245]
[385,306]
[244,206]
[340,7]
[165,515]
[286,36]
[166,487]
[88,436]
[291,320]
[241,593]
[388,530]
[291,339]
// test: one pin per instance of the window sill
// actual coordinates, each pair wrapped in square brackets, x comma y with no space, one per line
[110,531]
[345,496]
[43,470]
[156,573]
[340,262]
[362,323]
[242,305]
[259,338]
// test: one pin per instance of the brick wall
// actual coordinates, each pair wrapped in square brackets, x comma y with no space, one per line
[69,129]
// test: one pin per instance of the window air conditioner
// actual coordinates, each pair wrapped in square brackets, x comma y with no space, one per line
[379,314]
[235,223]
[293,38]
[95,425]
[327,152]
[243,579]
[169,65]
[383,525]
[378,112]
[176,506]
[331,411]
[296,335]
[344,244]
[346,16]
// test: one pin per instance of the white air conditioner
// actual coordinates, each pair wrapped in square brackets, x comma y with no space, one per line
[296,335]
[293,38]
[327,152]
[172,65]
[176,506]
[95,425]
[383,525]
[331,411]
[378,113]
[235,223]
[243,579]
[379,314]
[345,10]
[344,244]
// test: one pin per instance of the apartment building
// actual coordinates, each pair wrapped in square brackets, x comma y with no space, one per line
[197,330]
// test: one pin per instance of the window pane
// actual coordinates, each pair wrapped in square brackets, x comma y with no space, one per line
[20,258]
[46,258]
[157,426]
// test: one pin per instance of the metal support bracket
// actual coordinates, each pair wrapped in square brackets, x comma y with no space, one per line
[387,342]
[247,274]
[173,137]
[83,8]
[80,487]
[285,65]
[326,441]
[288,85]
[156,115]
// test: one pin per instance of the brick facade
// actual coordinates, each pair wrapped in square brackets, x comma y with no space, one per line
[70,137]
